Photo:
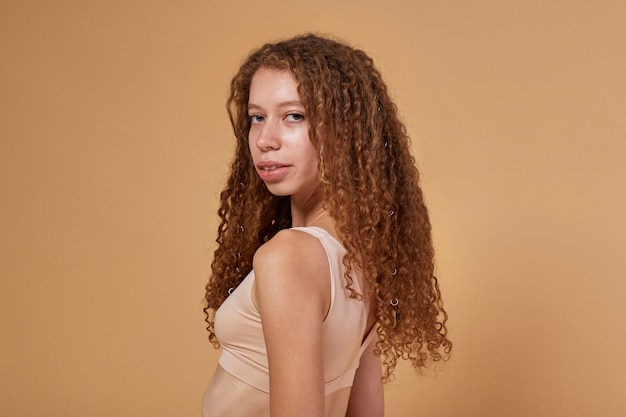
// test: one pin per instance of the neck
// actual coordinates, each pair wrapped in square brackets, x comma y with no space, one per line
[309,212]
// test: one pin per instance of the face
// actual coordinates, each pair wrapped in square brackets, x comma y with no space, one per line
[283,155]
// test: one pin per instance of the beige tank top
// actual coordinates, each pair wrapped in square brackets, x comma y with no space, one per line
[238,327]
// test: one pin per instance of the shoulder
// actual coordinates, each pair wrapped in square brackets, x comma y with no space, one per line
[293,264]
[292,250]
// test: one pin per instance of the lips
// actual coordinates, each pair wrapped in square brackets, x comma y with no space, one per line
[271,170]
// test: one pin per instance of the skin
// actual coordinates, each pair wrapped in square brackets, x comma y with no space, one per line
[287,162]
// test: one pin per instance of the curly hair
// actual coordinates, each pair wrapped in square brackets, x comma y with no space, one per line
[369,186]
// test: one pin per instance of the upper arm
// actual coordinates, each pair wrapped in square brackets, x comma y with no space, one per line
[366,396]
[293,293]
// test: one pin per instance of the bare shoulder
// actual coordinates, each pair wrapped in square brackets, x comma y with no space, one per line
[291,250]
[293,264]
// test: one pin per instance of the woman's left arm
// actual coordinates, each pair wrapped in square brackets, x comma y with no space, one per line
[293,294]
[366,396]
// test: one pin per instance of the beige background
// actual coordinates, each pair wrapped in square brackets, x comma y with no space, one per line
[115,141]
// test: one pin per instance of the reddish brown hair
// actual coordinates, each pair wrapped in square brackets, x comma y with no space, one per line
[369,185]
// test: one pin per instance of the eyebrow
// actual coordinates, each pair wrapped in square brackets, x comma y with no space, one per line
[282,104]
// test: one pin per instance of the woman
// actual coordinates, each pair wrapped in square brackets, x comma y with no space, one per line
[325,259]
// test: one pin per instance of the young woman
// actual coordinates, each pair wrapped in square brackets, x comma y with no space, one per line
[324,273]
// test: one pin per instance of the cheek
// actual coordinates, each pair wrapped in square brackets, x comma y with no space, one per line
[312,159]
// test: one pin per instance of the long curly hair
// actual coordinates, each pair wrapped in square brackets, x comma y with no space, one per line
[369,186]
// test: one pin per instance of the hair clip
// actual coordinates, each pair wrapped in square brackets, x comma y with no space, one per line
[394,303]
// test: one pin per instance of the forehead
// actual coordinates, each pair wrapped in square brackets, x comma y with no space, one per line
[270,83]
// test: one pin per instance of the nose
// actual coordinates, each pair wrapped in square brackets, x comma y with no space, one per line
[267,135]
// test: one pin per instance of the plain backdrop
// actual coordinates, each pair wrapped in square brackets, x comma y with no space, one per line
[115,144]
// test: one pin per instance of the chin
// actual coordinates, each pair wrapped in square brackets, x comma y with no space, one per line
[277,191]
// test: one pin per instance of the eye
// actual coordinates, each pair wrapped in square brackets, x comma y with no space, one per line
[255,118]
[295,117]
